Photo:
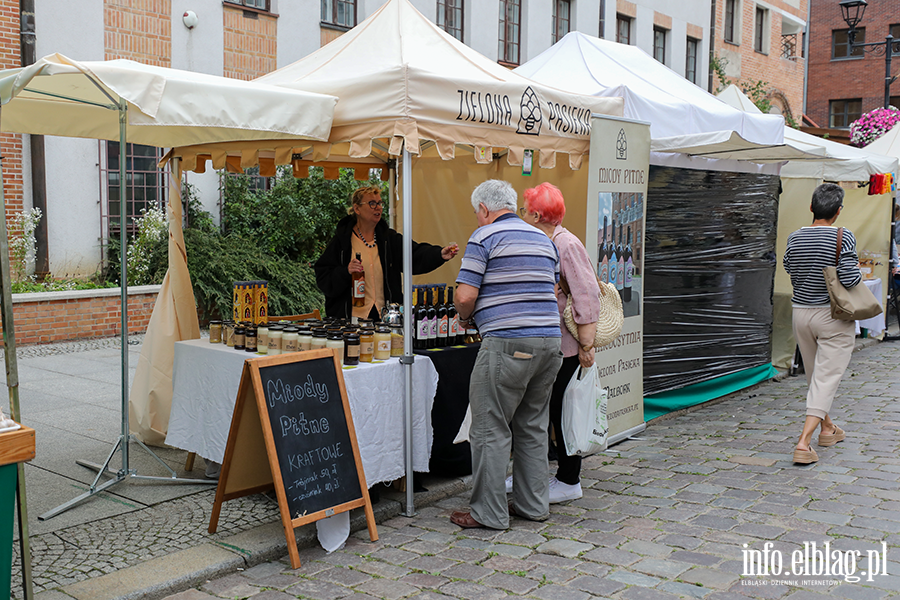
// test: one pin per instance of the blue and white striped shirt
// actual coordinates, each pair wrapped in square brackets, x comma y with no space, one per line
[514,266]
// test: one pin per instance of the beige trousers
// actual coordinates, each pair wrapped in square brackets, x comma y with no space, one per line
[825,345]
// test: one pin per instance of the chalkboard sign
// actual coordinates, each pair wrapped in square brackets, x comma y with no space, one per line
[311,436]
[292,413]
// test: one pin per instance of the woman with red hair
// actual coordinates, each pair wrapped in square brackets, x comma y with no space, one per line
[544,207]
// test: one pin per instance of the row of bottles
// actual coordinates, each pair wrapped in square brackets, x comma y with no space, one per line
[616,259]
[436,323]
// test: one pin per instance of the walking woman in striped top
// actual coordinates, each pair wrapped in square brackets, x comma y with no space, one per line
[825,343]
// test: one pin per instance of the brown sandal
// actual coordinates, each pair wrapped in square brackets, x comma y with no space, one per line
[830,439]
[465,520]
[805,457]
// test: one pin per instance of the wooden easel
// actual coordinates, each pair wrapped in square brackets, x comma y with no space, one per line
[252,444]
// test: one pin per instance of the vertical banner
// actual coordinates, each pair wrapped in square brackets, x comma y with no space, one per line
[617,190]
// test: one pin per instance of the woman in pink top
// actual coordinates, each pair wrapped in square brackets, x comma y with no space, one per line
[544,207]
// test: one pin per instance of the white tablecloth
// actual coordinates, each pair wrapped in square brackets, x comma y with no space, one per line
[875,325]
[205,385]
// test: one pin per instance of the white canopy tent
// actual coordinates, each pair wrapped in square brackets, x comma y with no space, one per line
[888,144]
[684,119]
[407,88]
[125,101]
[843,163]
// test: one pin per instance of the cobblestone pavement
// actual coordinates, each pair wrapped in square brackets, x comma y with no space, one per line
[105,546]
[673,514]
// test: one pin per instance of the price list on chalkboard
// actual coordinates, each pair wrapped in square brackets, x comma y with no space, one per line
[311,436]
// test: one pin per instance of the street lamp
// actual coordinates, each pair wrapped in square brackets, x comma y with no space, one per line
[852,11]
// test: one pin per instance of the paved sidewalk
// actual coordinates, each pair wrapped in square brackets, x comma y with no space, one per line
[663,516]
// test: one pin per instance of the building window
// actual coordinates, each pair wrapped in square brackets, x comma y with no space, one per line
[659,44]
[843,112]
[341,13]
[510,31]
[560,19]
[623,29]
[895,101]
[602,33]
[259,4]
[895,31]
[730,9]
[145,184]
[759,30]
[840,43]
[690,67]
[450,17]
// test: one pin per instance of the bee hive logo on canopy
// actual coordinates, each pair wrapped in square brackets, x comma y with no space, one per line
[530,113]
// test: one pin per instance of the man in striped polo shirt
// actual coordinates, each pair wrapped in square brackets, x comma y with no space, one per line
[506,286]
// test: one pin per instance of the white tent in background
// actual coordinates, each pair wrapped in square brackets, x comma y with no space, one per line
[888,144]
[683,118]
[852,164]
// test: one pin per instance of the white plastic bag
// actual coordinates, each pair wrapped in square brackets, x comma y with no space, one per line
[584,421]
[463,434]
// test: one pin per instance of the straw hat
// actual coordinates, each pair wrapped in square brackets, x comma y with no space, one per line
[609,324]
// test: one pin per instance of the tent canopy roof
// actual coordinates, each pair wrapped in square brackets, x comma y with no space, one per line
[402,80]
[652,92]
[853,164]
[165,107]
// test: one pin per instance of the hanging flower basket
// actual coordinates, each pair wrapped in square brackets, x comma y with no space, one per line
[872,125]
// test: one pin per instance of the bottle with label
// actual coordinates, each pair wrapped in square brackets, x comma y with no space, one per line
[603,257]
[613,257]
[359,286]
[453,337]
[421,325]
[620,256]
[431,316]
[443,321]
[629,269]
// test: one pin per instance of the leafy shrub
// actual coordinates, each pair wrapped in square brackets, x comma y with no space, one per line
[216,262]
[148,248]
[296,218]
[22,241]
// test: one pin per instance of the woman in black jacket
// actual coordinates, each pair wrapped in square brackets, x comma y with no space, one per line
[381,249]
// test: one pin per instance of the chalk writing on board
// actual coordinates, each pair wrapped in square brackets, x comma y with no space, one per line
[312,440]
[276,391]
[310,458]
[299,425]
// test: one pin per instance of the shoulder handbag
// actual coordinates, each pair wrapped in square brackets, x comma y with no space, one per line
[848,304]
[612,316]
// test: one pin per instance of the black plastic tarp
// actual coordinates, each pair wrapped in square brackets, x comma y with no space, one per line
[710,264]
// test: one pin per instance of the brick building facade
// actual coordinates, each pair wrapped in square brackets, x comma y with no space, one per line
[763,42]
[843,84]
[11,144]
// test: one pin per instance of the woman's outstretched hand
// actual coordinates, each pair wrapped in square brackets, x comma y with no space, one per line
[449,251]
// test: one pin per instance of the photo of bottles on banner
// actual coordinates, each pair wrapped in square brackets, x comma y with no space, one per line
[619,243]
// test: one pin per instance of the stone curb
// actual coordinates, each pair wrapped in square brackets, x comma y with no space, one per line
[192,567]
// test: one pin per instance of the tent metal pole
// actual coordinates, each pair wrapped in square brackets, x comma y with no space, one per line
[408,356]
[12,384]
[122,442]
[123,272]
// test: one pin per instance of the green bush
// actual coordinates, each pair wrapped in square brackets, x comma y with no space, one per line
[265,235]
[296,218]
